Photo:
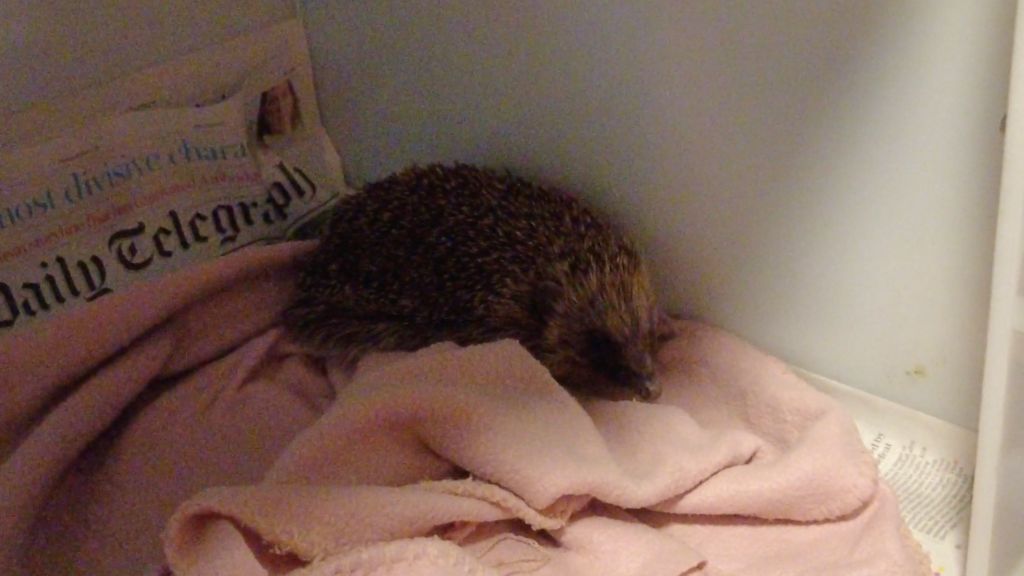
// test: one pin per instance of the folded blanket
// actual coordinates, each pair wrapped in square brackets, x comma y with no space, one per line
[185,398]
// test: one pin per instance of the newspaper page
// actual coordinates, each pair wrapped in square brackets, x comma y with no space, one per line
[290,145]
[204,77]
[928,463]
[165,178]
[249,67]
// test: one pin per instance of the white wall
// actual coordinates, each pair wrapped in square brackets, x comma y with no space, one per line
[820,177]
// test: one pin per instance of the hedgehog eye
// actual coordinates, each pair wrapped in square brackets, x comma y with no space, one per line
[604,353]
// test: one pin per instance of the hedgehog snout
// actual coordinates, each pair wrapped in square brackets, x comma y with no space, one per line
[642,382]
[648,389]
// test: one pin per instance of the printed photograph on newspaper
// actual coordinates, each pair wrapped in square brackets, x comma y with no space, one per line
[291,148]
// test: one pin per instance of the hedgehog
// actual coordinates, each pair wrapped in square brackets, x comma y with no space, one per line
[470,255]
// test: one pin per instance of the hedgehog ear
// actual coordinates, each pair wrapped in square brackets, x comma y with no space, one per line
[544,299]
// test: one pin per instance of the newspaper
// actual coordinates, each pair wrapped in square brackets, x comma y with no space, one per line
[203,77]
[195,163]
[928,462]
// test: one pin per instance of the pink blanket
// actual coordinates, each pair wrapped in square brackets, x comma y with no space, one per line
[173,423]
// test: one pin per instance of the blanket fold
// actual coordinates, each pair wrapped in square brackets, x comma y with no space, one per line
[250,457]
[751,445]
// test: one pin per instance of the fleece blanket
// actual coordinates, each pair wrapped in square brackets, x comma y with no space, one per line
[173,429]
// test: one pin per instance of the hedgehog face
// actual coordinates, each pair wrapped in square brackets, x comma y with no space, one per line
[619,365]
[598,362]
[600,338]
